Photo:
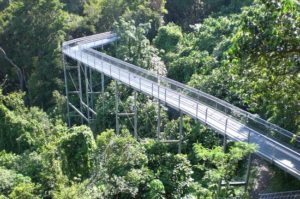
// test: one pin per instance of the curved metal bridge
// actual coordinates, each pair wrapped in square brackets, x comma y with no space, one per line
[226,119]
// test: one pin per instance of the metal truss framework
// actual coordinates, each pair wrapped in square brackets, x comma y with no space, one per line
[85,93]
[226,119]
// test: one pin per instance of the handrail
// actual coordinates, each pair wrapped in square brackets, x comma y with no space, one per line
[145,73]
[191,98]
[191,92]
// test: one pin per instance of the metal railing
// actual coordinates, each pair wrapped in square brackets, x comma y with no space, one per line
[245,117]
[281,195]
[189,100]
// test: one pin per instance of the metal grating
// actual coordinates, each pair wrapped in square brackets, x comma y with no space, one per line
[281,195]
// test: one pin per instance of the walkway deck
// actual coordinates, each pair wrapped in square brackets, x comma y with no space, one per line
[217,114]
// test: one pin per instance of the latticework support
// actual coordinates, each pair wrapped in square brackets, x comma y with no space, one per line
[133,114]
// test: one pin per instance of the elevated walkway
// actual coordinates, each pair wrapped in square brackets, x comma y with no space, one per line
[219,115]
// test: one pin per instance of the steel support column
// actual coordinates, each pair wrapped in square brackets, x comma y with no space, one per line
[158,120]
[91,88]
[135,115]
[87,93]
[117,108]
[249,161]
[103,97]
[225,136]
[180,132]
[66,91]
[224,149]
[80,87]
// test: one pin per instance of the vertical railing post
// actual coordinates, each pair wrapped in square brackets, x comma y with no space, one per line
[110,70]
[94,61]
[152,89]
[140,82]
[87,59]
[197,110]
[206,113]
[158,91]
[102,67]
[129,78]
[80,54]
[273,152]
[165,95]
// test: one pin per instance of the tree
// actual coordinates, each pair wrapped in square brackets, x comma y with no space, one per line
[175,172]
[32,34]
[133,45]
[77,149]
[103,13]
[21,128]
[190,12]
[203,50]
[156,189]
[34,137]
[120,165]
[184,13]
[168,37]
[264,61]
[14,185]
[74,6]
[219,165]
[149,11]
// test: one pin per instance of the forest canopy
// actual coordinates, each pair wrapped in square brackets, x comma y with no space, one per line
[245,52]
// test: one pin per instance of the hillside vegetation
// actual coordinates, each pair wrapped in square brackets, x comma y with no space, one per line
[242,51]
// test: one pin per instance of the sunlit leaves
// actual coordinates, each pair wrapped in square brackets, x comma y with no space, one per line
[168,37]
[219,165]
[265,61]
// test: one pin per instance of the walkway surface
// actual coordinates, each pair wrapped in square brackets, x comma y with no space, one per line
[281,195]
[219,115]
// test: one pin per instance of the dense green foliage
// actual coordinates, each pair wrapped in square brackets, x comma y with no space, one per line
[168,37]
[245,52]
[270,55]
[31,34]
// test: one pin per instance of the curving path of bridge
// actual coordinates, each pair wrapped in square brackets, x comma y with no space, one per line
[221,116]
